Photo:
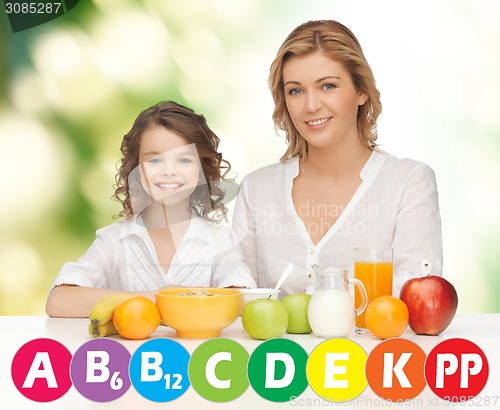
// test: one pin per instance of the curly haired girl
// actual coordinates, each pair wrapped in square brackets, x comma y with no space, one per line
[169,184]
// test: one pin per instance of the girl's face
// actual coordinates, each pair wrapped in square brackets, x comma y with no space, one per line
[170,166]
[321,99]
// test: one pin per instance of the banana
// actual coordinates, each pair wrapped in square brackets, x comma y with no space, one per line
[102,311]
[107,329]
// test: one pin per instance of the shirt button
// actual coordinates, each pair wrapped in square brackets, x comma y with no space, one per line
[311,251]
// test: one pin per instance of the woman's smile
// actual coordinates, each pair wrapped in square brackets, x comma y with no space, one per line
[317,123]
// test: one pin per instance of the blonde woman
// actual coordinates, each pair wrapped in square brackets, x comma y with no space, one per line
[333,189]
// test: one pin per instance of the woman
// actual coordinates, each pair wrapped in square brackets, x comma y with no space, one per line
[333,190]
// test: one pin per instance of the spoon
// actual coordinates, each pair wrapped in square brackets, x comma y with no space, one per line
[283,277]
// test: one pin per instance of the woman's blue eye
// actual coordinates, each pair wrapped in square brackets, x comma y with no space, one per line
[295,91]
[329,86]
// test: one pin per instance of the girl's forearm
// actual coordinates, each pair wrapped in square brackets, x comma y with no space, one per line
[77,301]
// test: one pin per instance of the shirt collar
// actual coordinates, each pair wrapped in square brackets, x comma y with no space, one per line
[371,167]
[134,226]
[198,229]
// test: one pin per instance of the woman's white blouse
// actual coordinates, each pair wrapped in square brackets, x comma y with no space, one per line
[395,206]
[123,258]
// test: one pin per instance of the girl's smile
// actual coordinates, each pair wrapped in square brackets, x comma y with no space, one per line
[169,187]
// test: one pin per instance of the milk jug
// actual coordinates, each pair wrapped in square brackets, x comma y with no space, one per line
[331,312]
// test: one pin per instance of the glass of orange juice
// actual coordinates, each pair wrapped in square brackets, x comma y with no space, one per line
[373,267]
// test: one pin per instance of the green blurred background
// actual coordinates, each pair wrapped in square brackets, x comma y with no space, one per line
[71,88]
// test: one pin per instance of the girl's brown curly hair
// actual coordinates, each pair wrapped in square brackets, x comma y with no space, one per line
[206,203]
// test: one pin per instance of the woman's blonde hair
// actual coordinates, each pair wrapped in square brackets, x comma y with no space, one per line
[338,42]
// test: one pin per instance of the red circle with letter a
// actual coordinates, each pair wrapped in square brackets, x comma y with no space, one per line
[40,370]
[456,370]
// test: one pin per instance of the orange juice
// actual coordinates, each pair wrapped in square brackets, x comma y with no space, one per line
[377,279]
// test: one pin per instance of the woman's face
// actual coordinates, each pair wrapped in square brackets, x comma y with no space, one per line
[321,99]
[170,166]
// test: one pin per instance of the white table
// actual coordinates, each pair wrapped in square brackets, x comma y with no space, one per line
[15,331]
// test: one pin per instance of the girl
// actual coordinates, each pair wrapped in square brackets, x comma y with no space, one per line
[333,190]
[169,185]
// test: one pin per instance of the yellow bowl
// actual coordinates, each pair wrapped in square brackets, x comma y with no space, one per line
[198,317]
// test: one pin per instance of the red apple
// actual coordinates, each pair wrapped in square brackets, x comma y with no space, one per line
[432,303]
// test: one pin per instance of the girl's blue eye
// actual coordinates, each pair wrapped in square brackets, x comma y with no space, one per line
[154,160]
[185,161]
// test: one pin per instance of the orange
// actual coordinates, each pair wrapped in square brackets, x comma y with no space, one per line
[136,318]
[387,316]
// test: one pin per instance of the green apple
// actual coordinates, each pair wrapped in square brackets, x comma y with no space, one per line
[296,304]
[264,318]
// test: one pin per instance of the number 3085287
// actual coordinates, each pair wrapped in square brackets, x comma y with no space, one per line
[32,8]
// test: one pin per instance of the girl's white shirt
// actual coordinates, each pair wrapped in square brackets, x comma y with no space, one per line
[123,258]
[395,206]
